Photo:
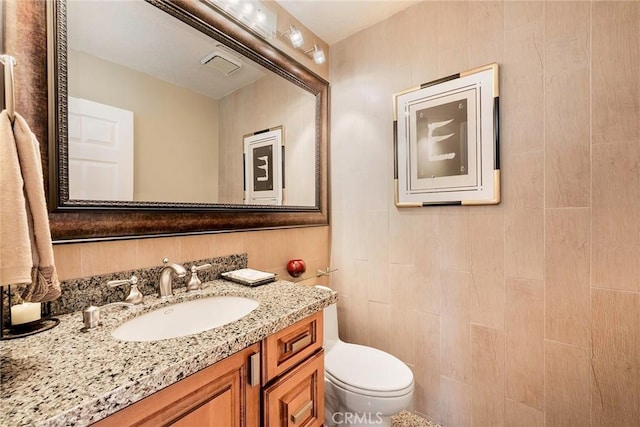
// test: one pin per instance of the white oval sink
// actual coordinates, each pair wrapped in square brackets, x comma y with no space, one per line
[185,318]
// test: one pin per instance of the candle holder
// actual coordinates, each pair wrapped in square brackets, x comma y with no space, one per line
[9,331]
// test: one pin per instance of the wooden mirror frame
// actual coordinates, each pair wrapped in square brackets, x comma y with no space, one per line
[30,40]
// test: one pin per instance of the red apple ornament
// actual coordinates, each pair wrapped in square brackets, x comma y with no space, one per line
[296,267]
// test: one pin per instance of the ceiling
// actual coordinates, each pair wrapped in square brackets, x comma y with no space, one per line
[334,20]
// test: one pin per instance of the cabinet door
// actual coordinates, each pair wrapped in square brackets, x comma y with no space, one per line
[297,399]
[217,396]
[285,349]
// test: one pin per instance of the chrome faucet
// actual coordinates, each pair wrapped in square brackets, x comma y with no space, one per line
[165,290]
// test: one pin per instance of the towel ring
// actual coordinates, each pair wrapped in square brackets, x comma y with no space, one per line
[9,96]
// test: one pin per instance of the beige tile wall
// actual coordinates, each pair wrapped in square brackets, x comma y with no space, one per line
[268,250]
[525,313]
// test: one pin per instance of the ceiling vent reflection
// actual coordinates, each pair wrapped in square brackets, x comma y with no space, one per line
[221,63]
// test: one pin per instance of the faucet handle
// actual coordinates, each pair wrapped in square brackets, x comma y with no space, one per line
[132,281]
[195,284]
[195,269]
[135,296]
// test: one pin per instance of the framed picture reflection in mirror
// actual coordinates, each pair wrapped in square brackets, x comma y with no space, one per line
[264,166]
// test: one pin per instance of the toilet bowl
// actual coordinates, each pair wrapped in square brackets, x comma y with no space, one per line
[364,386]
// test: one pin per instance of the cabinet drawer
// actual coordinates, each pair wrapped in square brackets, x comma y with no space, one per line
[285,349]
[297,399]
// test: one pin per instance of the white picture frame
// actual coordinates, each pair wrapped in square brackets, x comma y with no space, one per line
[446,141]
[263,167]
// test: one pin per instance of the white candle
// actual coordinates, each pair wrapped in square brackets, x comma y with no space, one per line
[26,312]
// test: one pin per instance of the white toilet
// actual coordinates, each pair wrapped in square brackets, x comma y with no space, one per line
[363,386]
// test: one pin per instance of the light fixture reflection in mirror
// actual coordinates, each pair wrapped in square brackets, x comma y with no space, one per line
[189,114]
[252,13]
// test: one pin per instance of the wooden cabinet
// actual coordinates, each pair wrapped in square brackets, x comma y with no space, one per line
[220,395]
[293,373]
[229,393]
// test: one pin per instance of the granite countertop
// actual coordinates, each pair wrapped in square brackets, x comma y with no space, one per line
[66,377]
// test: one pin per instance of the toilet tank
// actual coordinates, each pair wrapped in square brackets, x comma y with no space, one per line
[330,320]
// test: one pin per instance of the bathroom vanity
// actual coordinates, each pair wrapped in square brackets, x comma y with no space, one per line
[262,369]
[228,393]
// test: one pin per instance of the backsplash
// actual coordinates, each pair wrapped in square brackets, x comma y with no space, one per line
[78,294]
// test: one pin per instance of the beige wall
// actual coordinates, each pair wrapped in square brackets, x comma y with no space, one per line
[175,129]
[525,313]
[280,104]
[268,250]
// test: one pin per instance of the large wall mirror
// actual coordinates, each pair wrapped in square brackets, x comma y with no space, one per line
[170,118]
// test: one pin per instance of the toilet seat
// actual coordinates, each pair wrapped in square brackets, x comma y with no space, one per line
[367,371]
[368,393]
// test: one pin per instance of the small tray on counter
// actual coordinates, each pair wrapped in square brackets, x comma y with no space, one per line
[250,277]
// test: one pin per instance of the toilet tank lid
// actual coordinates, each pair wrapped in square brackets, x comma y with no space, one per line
[367,368]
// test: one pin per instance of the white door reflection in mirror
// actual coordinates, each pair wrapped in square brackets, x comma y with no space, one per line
[100,151]
[263,165]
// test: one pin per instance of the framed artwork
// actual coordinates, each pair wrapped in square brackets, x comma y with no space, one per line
[446,141]
[263,167]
